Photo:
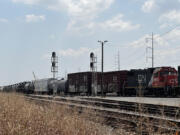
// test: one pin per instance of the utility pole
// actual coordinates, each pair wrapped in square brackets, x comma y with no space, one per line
[102,65]
[151,48]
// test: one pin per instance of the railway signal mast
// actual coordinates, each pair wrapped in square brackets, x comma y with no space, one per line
[93,68]
[54,67]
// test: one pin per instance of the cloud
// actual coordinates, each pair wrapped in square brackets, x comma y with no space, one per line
[172,17]
[81,27]
[34,18]
[3,20]
[29,2]
[74,53]
[167,52]
[83,14]
[148,6]
[167,56]
[173,36]
[166,47]
[139,42]
[84,8]
[75,8]
[118,24]
[145,41]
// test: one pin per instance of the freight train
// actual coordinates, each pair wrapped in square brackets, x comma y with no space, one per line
[159,81]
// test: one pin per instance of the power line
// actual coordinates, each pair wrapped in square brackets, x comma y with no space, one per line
[163,34]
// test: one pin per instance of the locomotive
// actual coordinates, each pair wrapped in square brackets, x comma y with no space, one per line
[159,81]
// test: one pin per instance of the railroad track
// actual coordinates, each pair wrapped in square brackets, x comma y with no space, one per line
[136,115]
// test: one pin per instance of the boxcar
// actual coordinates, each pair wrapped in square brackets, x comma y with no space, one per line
[114,82]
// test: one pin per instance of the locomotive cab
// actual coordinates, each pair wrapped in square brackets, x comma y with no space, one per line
[164,77]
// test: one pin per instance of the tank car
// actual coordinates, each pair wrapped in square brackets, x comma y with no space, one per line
[62,87]
[29,88]
[45,86]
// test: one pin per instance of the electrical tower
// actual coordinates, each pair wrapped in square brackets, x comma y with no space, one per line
[93,68]
[54,67]
[117,62]
[151,48]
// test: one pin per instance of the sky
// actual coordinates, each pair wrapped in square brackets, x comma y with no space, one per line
[31,29]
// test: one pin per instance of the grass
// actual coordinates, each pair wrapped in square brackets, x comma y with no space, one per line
[21,117]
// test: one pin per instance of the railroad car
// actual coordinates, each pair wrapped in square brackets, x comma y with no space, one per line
[18,87]
[29,87]
[62,87]
[45,86]
[114,82]
[79,83]
[82,83]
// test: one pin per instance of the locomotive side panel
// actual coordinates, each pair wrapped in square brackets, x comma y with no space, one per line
[138,78]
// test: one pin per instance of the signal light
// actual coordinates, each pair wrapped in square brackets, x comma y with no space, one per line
[53,54]
[92,55]
[53,64]
[92,65]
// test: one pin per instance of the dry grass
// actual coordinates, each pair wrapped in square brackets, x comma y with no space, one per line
[21,117]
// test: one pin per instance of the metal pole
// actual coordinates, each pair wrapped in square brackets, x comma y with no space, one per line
[102,65]
[102,68]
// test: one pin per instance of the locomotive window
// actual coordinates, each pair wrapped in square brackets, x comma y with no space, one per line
[172,73]
[167,73]
[156,75]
